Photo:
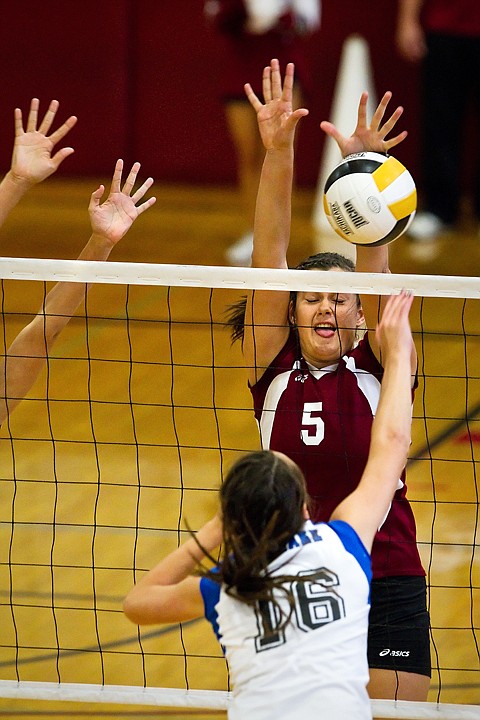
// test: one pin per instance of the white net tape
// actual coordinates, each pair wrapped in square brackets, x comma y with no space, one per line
[208,699]
[236,278]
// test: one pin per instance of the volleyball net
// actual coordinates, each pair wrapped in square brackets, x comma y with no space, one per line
[141,408]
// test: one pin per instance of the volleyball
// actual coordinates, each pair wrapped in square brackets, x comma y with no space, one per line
[370,198]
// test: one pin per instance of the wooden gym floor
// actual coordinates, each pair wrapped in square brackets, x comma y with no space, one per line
[112,469]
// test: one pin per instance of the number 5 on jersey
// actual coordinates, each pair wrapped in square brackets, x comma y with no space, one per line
[315,431]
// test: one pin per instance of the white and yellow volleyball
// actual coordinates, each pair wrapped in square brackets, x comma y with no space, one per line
[370,198]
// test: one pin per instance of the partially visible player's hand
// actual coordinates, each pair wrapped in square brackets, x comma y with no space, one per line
[32,159]
[393,331]
[114,217]
[276,118]
[368,137]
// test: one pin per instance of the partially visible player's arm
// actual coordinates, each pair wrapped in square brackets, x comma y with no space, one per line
[371,137]
[365,508]
[410,35]
[110,221]
[168,592]
[266,320]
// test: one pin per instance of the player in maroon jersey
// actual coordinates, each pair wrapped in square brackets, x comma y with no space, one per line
[315,383]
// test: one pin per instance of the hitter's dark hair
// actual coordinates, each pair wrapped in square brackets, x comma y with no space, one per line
[262,502]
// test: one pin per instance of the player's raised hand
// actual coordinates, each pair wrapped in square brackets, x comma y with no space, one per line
[33,159]
[114,217]
[368,137]
[393,331]
[276,118]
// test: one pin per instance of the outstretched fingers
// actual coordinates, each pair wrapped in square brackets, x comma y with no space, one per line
[33,115]
[18,122]
[46,123]
[397,309]
[405,302]
[48,119]
[288,83]
[131,179]
[273,89]
[332,131]
[145,205]
[276,82]
[60,133]
[139,194]
[362,110]
[389,124]
[395,140]
[394,327]
[95,197]
[60,156]
[117,177]
[380,110]
[252,98]
[31,119]
[128,186]
[388,127]
[113,217]
[267,84]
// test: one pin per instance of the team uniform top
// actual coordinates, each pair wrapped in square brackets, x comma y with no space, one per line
[272,672]
[322,419]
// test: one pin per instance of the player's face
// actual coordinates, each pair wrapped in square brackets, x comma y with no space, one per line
[327,324]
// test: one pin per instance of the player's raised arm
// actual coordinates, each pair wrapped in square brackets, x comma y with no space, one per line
[266,320]
[110,221]
[366,507]
[168,592]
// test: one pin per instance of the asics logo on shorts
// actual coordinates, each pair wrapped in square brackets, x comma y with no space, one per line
[394,653]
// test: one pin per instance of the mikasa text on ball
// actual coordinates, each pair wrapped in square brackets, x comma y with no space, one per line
[370,198]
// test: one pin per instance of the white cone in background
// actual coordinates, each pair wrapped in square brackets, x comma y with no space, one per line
[354,76]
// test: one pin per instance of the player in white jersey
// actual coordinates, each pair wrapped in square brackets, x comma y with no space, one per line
[326,634]
[289,600]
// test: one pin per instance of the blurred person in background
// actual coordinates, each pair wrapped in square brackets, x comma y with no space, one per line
[443,35]
[251,33]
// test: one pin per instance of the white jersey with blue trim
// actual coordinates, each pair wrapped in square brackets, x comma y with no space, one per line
[316,664]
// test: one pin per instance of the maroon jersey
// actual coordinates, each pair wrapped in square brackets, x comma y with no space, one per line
[322,419]
[243,54]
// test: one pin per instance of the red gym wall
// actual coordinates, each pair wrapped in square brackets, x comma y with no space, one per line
[140,75]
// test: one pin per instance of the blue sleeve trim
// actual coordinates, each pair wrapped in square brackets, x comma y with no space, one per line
[210,593]
[352,544]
